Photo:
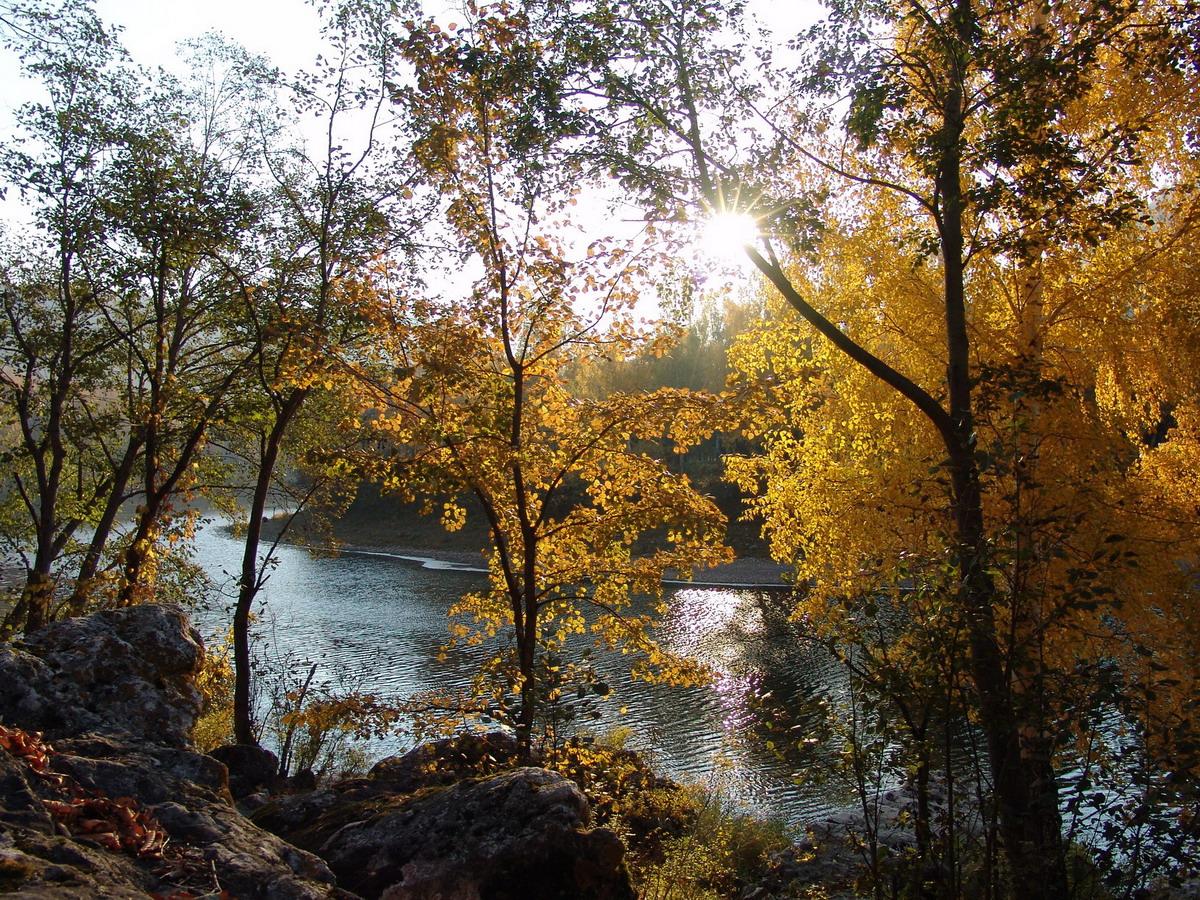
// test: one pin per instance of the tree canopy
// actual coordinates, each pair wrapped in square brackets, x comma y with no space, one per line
[967,409]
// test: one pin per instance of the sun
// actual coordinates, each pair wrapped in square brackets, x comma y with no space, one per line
[724,236]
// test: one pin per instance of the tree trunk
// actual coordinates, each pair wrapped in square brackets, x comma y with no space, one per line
[528,652]
[921,826]
[133,575]
[1030,826]
[243,723]
[85,580]
[31,609]
[250,582]
[39,588]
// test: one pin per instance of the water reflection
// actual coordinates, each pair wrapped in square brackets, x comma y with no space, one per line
[380,621]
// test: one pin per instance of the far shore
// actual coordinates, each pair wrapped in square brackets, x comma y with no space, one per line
[423,542]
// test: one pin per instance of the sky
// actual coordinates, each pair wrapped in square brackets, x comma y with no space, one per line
[286,30]
[283,30]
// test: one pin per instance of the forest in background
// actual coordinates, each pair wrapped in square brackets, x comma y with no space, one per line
[961,401]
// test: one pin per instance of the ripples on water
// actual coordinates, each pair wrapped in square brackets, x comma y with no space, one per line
[382,621]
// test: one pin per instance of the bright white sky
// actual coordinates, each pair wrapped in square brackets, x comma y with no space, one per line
[286,30]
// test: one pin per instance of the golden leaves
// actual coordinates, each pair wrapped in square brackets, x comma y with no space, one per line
[1086,396]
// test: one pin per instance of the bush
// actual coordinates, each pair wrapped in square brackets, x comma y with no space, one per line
[684,842]
[214,727]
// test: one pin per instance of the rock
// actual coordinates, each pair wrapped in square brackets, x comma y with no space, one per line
[519,834]
[34,864]
[447,761]
[184,792]
[115,695]
[255,801]
[115,692]
[299,815]
[125,672]
[307,820]
[304,780]
[151,773]
[36,861]
[21,806]
[251,768]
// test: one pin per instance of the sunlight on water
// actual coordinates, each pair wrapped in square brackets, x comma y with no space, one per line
[700,620]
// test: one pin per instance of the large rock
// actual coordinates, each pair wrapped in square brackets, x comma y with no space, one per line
[115,693]
[181,792]
[128,672]
[116,697]
[35,864]
[447,761]
[520,834]
[251,769]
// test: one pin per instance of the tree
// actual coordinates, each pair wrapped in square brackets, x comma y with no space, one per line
[339,212]
[974,143]
[172,263]
[202,132]
[119,364]
[55,344]
[471,396]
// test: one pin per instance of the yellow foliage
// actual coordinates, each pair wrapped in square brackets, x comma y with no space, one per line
[475,396]
[214,727]
[1088,437]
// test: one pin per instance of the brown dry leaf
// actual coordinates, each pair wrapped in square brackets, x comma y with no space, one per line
[29,747]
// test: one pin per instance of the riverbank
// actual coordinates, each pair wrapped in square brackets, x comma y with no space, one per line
[105,795]
[376,526]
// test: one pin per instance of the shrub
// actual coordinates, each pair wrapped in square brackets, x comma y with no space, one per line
[684,842]
[214,727]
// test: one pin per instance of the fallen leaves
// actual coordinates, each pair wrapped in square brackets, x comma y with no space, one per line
[28,747]
[116,824]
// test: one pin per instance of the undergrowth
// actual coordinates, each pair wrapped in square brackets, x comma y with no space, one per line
[683,842]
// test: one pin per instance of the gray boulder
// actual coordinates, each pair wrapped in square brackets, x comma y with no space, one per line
[447,761]
[251,769]
[128,672]
[116,697]
[520,834]
[115,694]
[36,864]
[182,792]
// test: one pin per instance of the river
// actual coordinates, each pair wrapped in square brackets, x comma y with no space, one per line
[378,622]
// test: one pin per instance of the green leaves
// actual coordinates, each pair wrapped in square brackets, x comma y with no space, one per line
[868,103]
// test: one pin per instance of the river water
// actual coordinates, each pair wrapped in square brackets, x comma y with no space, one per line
[379,622]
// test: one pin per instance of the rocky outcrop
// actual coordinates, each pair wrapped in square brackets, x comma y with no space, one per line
[517,835]
[251,769]
[447,761]
[127,672]
[115,803]
[522,833]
